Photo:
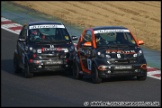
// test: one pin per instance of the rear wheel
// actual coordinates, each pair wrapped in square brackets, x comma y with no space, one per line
[17,69]
[76,70]
[27,72]
[95,77]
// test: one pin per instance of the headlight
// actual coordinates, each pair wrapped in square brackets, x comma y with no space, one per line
[30,48]
[33,50]
[134,55]
[139,53]
[99,53]
[103,55]
[108,56]
[65,50]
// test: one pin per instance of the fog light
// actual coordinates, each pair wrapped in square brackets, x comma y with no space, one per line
[39,66]
[136,70]
[102,67]
[108,71]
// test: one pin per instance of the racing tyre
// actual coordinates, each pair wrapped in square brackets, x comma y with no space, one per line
[76,71]
[17,69]
[95,77]
[27,72]
[68,71]
[142,78]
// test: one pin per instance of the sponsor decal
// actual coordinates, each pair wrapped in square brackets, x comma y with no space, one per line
[51,46]
[50,49]
[110,30]
[123,67]
[53,62]
[46,26]
[89,63]
[121,52]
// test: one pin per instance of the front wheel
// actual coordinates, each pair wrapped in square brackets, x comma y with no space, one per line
[17,69]
[143,77]
[95,77]
[76,71]
[27,72]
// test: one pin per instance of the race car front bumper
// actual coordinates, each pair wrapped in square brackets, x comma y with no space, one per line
[49,65]
[122,70]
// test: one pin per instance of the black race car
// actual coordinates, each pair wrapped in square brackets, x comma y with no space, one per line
[108,51]
[43,46]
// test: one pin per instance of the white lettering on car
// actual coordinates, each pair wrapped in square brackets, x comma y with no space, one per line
[111,30]
[46,26]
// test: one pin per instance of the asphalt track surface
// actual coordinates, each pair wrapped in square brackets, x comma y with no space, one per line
[58,89]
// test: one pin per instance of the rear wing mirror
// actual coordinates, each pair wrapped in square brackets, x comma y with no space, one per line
[74,37]
[140,42]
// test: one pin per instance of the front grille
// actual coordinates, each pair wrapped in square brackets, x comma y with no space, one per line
[53,67]
[121,72]
[49,57]
[117,61]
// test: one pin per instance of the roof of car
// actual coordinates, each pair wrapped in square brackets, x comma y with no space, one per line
[108,27]
[44,22]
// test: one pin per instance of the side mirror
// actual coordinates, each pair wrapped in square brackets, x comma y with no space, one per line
[21,40]
[87,44]
[140,42]
[74,37]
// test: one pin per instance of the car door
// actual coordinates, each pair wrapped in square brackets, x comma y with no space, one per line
[85,51]
[21,46]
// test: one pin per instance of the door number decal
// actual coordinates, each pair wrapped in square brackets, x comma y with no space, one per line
[89,63]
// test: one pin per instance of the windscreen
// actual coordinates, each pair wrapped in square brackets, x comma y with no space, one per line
[114,37]
[48,33]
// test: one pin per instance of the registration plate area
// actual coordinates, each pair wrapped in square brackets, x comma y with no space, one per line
[123,67]
[53,62]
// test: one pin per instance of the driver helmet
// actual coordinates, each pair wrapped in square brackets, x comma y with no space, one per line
[34,32]
[98,37]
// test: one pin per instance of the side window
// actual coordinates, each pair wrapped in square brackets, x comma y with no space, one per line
[23,33]
[130,38]
[88,36]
